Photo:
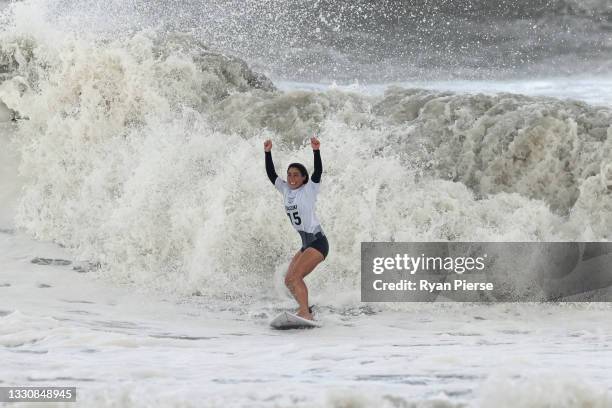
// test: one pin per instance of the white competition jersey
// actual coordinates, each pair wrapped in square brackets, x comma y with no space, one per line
[300,205]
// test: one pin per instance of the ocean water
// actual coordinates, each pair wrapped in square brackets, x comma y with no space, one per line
[143,253]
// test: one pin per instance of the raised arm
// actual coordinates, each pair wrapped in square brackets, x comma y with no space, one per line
[318,165]
[269,163]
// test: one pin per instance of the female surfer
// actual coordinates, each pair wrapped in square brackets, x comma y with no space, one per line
[300,196]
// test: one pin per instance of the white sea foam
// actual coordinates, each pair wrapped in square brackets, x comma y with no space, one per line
[121,346]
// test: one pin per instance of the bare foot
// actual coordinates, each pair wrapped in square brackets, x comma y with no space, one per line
[305,315]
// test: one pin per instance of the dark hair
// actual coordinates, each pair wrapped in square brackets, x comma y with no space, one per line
[302,170]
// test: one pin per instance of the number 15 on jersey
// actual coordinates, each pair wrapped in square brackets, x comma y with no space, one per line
[294,218]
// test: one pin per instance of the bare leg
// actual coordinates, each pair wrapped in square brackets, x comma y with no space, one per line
[293,262]
[290,268]
[304,264]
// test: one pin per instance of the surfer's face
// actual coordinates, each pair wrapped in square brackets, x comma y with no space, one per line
[295,178]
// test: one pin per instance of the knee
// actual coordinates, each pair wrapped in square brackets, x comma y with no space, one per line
[290,280]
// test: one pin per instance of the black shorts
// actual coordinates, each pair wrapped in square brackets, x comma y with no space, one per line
[320,244]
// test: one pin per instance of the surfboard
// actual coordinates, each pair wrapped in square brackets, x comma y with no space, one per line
[286,320]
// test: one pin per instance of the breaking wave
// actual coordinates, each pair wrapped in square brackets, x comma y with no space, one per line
[143,153]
